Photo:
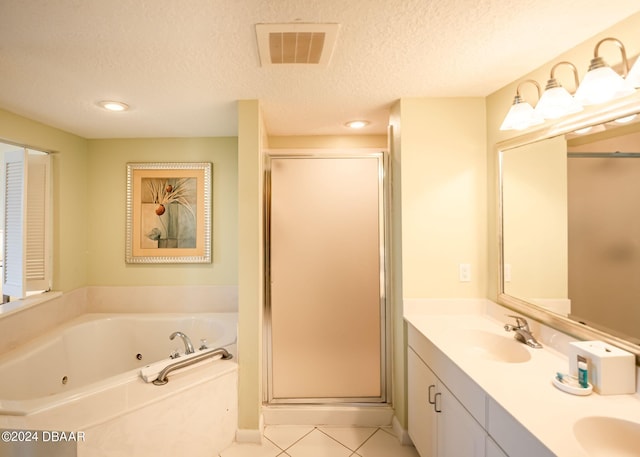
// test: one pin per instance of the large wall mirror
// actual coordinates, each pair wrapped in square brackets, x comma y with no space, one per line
[569,231]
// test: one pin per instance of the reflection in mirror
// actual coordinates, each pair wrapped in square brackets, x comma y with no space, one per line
[571,226]
[535,223]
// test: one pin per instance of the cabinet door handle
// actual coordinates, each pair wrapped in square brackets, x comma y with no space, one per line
[431,402]
[435,402]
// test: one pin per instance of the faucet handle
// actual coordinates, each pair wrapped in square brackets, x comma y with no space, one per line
[521,323]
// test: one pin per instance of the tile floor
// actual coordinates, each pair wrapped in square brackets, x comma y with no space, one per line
[309,441]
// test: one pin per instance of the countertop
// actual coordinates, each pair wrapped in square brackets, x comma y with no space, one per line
[524,389]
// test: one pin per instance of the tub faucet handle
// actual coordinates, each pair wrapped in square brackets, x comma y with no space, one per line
[203,344]
[188,346]
[174,354]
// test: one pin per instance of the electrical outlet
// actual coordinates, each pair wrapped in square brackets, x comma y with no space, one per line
[465,272]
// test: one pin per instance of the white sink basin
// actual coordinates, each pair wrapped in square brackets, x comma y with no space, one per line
[490,346]
[608,436]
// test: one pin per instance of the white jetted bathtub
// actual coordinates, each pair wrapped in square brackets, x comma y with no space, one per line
[86,376]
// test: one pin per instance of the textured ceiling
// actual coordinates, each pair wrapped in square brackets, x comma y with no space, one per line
[182,65]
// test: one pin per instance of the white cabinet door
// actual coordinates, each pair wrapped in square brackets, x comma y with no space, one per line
[493,450]
[422,417]
[458,432]
[438,423]
[511,435]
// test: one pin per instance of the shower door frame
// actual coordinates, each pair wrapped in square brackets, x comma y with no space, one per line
[384,226]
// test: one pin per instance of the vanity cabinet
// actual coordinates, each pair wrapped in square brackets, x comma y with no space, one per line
[514,439]
[438,423]
[452,416]
[422,384]
[493,450]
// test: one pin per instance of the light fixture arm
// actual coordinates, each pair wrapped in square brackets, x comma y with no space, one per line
[598,62]
[522,115]
[518,97]
[553,82]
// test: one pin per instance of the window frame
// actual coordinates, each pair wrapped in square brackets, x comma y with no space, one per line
[32,273]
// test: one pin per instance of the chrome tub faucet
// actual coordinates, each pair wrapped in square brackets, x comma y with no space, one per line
[522,332]
[188,347]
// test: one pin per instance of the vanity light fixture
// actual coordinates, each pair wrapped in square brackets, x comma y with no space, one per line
[633,78]
[591,129]
[521,115]
[357,124]
[601,83]
[111,105]
[556,101]
[583,131]
[626,119]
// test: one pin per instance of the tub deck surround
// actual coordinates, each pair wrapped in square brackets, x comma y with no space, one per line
[196,417]
[95,351]
[522,388]
[24,321]
[194,414]
[104,396]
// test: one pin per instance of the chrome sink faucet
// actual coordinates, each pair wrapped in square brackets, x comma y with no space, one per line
[522,332]
[188,347]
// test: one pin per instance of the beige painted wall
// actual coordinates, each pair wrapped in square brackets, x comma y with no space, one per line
[328,141]
[500,101]
[438,221]
[251,143]
[443,196]
[107,169]
[70,183]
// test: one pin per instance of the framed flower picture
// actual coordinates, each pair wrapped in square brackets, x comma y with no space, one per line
[168,213]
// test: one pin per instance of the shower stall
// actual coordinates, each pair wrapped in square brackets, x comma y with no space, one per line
[326,310]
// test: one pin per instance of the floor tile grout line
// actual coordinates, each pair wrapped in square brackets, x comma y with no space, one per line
[388,431]
[274,443]
[365,441]
[341,444]
[296,441]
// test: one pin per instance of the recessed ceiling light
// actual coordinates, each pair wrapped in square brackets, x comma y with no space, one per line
[111,105]
[357,124]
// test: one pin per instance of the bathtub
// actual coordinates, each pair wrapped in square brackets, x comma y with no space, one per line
[86,376]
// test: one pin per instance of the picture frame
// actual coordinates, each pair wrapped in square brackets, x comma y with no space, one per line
[168,212]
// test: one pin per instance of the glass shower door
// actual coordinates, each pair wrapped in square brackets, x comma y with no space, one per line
[326,307]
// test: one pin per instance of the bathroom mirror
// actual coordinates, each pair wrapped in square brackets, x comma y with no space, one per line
[569,228]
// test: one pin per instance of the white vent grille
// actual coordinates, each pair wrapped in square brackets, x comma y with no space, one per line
[310,44]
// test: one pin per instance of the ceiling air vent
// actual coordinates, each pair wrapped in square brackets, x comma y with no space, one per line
[297,43]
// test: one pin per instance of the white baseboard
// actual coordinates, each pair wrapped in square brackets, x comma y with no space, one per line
[401,432]
[248,436]
[251,435]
